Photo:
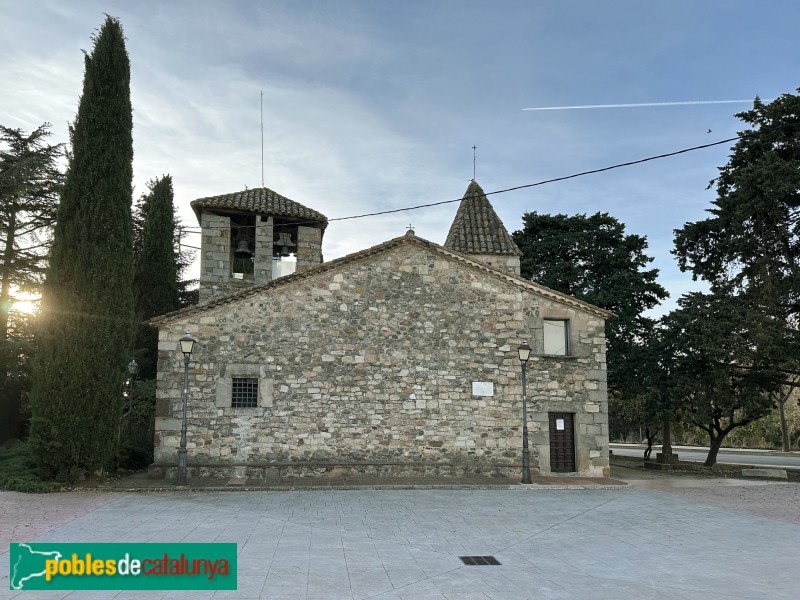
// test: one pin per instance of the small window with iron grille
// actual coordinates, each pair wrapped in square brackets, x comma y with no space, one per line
[244,392]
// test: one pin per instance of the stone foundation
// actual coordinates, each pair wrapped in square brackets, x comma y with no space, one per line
[337,470]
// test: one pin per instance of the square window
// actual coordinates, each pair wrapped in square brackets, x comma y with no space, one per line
[556,337]
[244,392]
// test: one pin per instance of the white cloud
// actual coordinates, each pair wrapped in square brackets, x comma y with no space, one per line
[375,106]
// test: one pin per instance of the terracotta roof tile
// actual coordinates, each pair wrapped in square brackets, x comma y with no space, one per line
[477,229]
[261,201]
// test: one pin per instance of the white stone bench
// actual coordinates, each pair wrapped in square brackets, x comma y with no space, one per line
[766,473]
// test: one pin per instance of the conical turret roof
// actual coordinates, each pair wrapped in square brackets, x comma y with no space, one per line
[477,229]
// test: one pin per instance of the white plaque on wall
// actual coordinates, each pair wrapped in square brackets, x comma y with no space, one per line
[482,388]
[559,424]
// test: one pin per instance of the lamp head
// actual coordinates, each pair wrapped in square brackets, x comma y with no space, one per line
[187,343]
[524,352]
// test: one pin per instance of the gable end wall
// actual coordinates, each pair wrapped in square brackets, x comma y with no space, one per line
[374,363]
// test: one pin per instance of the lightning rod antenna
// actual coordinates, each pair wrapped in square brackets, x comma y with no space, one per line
[262,138]
[474,148]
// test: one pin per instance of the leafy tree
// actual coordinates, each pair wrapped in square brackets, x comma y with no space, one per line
[751,242]
[184,256]
[592,258]
[750,245]
[718,359]
[633,415]
[29,186]
[87,300]
[157,275]
[648,402]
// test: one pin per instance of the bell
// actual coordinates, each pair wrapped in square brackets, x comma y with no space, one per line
[243,248]
[285,241]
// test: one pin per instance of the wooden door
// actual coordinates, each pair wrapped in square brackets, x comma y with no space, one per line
[562,443]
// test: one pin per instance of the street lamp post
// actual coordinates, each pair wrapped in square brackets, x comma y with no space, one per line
[127,409]
[186,344]
[133,369]
[524,352]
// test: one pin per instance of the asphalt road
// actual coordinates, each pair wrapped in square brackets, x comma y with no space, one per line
[759,458]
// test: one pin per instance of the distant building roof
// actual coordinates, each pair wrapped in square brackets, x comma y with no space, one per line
[477,229]
[261,201]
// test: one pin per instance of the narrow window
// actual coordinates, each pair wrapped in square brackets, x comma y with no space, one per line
[244,392]
[556,337]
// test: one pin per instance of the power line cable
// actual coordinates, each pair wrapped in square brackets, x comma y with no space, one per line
[521,187]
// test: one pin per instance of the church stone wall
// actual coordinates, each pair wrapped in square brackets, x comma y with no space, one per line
[309,248]
[501,262]
[370,368]
[262,261]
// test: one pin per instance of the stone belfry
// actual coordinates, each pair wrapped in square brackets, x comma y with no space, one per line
[251,237]
[479,233]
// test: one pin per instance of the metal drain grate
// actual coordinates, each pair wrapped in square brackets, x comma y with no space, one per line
[479,560]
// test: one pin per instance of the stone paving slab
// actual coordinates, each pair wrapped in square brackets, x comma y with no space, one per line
[24,517]
[773,500]
[615,544]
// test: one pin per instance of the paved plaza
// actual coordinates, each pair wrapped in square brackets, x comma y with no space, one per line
[651,540]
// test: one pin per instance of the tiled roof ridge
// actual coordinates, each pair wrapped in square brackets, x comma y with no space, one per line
[477,229]
[260,200]
[366,253]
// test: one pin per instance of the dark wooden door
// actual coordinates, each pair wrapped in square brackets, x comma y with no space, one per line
[562,443]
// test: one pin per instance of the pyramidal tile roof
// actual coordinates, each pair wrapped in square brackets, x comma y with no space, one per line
[261,201]
[477,229]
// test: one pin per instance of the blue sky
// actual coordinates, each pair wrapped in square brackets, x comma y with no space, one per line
[374,105]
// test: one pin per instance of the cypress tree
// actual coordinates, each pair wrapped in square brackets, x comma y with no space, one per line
[87,301]
[156,285]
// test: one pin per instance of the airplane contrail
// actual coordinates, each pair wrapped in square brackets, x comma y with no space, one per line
[641,104]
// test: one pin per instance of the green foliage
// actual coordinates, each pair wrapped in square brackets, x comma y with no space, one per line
[87,301]
[592,258]
[29,186]
[750,245]
[717,364]
[18,472]
[184,256]
[766,432]
[157,274]
[136,445]
[17,352]
[748,249]
[751,242]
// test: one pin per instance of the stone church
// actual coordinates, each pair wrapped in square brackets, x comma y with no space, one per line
[400,359]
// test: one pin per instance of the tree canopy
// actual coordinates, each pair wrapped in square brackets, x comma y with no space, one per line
[29,185]
[157,273]
[592,258]
[30,182]
[717,360]
[87,300]
[751,242]
[749,246]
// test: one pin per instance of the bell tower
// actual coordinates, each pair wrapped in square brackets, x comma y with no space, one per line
[252,237]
